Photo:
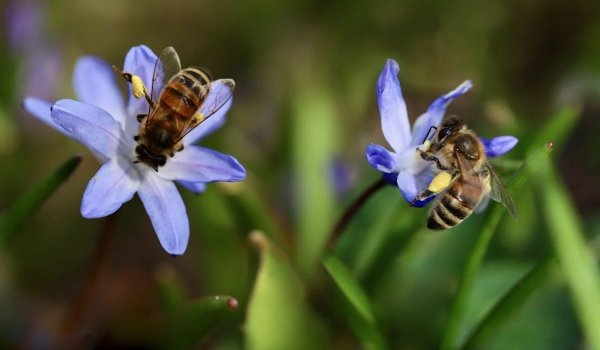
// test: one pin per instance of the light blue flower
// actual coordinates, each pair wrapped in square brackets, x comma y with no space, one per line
[403,166]
[101,121]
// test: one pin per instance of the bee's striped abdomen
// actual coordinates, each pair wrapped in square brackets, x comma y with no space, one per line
[454,205]
[184,94]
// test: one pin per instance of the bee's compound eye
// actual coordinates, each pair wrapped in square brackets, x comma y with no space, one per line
[444,132]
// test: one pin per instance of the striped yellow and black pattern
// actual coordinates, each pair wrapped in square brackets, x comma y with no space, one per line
[455,204]
[184,93]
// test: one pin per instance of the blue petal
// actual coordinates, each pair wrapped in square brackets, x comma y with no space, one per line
[199,164]
[195,187]
[497,146]
[435,113]
[94,83]
[166,211]
[92,127]
[41,110]
[209,125]
[391,178]
[380,158]
[140,60]
[407,183]
[114,184]
[392,108]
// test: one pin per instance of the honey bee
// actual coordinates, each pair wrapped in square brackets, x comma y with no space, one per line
[465,179]
[179,101]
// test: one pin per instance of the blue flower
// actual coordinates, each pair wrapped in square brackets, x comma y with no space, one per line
[101,121]
[403,166]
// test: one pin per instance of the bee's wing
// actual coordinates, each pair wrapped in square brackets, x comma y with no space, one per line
[166,66]
[499,192]
[219,92]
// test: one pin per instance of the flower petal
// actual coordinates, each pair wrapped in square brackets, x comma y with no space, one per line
[380,158]
[209,125]
[140,60]
[407,183]
[41,110]
[92,127]
[497,146]
[392,108]
[167,212]
[94,83]
[195,187]
[199,164]
[435,113]
[114,184]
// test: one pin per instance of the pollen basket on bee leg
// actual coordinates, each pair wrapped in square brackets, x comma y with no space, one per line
[440,182]
[137,87]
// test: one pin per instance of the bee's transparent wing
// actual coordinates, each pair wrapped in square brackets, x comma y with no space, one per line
[167,65]
[499,193]
[219,92]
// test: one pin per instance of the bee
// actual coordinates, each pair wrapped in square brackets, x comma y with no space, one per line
[466,178]
[179,101]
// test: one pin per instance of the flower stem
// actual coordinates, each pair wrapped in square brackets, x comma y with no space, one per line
[86,295]
[350,211]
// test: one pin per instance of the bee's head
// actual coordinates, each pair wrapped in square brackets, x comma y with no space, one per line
[449,126]
[150,158]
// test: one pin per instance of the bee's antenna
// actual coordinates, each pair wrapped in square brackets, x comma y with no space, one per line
[125,76]
[429,131]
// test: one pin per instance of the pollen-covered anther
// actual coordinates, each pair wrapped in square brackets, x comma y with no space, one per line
[137,87]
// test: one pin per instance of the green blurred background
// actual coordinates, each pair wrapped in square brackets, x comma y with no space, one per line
[304,110]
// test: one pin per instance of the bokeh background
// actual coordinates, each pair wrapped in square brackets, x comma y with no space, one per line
[304,110]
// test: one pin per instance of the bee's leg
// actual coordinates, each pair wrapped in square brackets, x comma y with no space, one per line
[421,197]
[172,154]
[138,88]
[431,158]
[136,137]
[141,117]
[439,183]
[180,148]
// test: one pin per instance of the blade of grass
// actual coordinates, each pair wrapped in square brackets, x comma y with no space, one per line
[314,134]
[574,257]
[29,202]
[510,302]
[360,313]
[452,334]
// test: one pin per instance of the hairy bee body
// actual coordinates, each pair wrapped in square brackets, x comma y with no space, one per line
[456,203]
[176,107]
[458,151]
[178,101]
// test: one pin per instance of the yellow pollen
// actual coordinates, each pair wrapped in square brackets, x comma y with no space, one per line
[440,182]
[426,145]
[137,87]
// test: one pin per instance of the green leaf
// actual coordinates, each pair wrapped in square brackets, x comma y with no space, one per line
[313,139]
[171,289]
[365,326]
[454,328]
[194,321]
[29,202]
[278,316]
[510,302]
[574,257]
